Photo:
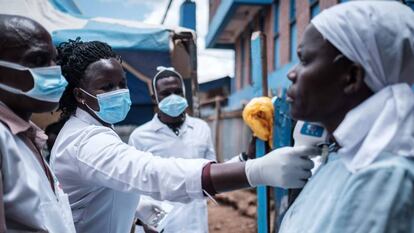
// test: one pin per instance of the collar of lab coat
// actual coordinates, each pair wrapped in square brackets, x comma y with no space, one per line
[158,125]
[86,117]
[14,122]
[18,125]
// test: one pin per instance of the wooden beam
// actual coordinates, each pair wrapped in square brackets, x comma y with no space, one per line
[139,75]
[212,100]
[225,115]
[217,137]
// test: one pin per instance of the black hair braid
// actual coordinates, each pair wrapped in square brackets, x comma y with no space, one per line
[74,57]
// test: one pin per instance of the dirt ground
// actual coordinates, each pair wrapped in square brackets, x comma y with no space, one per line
[235,213]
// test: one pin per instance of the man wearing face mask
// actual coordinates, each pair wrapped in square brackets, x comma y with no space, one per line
[30,82]
[182,136]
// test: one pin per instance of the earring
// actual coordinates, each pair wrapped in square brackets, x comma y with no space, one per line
[83,102]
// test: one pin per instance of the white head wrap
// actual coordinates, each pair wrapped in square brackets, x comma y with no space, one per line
[378,35]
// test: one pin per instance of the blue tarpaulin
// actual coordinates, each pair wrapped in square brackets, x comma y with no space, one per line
[118,36]
[141,46]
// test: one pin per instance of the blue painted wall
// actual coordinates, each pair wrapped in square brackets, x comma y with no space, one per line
[188,15]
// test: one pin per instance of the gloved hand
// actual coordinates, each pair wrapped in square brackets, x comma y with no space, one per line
[287,167]
[146,210]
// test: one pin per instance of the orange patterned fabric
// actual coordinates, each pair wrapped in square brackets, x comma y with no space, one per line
[258,115]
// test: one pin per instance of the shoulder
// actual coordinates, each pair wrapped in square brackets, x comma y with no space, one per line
[76,132]
[141,133]
[387,165]
[76,125]
[5,136]
[4,130]
[385,186]
[344,198]
[198,123]
[389,173]
[142,129]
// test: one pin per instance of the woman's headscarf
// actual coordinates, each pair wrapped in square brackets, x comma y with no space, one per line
[378,35]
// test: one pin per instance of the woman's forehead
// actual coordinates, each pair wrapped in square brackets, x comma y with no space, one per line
[312,38]
[313,42]
[105,63]
[104,68]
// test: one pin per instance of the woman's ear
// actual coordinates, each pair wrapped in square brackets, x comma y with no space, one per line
[154,101]
[354,79]
[78,95]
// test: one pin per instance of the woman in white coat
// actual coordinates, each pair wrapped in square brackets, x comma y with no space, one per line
[104,176]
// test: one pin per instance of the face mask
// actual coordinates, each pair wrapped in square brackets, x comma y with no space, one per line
[113,106]
[173,105]
[48,82]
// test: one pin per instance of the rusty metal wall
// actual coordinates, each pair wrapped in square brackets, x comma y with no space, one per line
[234,137]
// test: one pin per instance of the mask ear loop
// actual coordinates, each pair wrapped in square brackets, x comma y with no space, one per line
[88,93]
[13,65]
[154,81]
[83,101]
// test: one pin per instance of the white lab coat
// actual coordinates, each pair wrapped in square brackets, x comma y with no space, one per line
[193,141]
[104,176]
[29,201]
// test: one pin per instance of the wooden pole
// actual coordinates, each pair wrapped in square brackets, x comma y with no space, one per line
[259,72]
[217,130]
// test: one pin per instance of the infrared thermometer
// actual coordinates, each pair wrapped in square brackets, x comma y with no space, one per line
[312,134]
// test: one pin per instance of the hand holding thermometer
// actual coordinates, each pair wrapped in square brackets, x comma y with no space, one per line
[154,214]
[312,134]
[159,219]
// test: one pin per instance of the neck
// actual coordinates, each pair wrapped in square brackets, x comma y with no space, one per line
[175,125]
[12,102]
[174,122]
[24,115]
[334,121]
[19,112]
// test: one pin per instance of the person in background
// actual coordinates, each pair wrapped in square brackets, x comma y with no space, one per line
[30,82]
[173,133]
[354,76]
[104,177]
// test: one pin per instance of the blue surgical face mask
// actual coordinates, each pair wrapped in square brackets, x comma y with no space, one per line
[113,106]
[173,105]
[49,83]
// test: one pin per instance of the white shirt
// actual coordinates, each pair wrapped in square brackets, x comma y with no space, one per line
[104,176]
[193,141]
[29,201]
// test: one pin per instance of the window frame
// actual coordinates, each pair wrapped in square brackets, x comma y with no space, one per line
[292,28]
[312,5]
[276,35]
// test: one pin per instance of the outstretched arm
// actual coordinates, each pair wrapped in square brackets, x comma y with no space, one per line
[286,167]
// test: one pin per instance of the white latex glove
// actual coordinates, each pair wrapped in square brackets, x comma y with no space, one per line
[150,210]
[146,209]
[287,167]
